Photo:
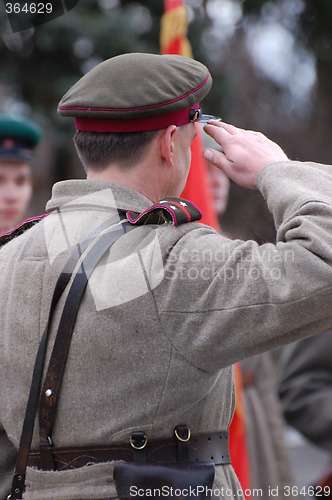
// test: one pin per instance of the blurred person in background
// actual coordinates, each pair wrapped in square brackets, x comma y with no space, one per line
[305,390]
[270,467]
[19,137]
[264,425]
[219,186]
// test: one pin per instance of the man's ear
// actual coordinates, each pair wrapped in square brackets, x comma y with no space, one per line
[167,144]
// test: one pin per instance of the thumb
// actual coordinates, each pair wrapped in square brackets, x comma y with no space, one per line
[217,158]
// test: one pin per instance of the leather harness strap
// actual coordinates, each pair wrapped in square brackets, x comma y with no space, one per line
[29,418]
[53,378]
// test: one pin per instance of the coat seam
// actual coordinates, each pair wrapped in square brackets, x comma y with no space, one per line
[269,304]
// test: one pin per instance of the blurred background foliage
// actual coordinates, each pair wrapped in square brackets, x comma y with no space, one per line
[271,61]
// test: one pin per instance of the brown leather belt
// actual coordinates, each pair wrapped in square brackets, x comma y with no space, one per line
[202,448]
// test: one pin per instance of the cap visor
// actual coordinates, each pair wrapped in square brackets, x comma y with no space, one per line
[206,118]
[16,155]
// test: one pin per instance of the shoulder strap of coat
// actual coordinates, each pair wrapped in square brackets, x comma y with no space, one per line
[173,211]
[20,229]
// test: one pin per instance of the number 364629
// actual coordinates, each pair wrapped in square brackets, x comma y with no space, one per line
[29,8]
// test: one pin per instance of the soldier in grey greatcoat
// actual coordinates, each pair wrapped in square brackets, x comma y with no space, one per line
[170,307]
[305,389]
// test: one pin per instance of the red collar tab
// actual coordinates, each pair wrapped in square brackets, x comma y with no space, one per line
[175,211]
[158,122]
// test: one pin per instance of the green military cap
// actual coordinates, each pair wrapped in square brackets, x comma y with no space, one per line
[18,137]
[137,91]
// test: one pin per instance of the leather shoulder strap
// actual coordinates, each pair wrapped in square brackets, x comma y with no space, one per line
[29,419]
[54,374]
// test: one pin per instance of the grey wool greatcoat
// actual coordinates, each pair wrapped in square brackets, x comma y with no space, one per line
[164,316]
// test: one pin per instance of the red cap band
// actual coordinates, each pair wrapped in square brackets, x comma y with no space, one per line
[158,122]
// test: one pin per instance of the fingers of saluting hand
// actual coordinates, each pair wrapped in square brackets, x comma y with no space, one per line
[213,126]
[217,158]
[244,154]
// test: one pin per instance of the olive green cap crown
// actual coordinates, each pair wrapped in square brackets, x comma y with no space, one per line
[137,86]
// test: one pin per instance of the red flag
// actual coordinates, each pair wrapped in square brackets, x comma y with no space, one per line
[237,436]
[173,31]
[173,40]
[197,188]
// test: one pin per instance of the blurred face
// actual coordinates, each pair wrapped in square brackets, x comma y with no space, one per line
[219,185]
[15,193]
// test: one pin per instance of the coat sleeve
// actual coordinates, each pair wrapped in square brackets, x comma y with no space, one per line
[224,300]
[305,388]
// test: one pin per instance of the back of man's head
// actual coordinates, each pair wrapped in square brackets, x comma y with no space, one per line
[99,150]
[120,104]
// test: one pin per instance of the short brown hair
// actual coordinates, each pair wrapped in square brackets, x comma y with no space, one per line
[97,150]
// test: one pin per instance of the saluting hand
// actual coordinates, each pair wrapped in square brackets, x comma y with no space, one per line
[244,152]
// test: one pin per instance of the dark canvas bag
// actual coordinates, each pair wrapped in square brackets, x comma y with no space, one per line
[182,479]
[175,481]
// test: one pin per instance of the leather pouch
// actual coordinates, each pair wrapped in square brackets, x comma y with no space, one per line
[180,481]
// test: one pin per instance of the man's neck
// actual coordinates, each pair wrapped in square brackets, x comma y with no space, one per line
[135,180]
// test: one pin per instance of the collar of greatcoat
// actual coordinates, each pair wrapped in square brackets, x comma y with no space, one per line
[76,193]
